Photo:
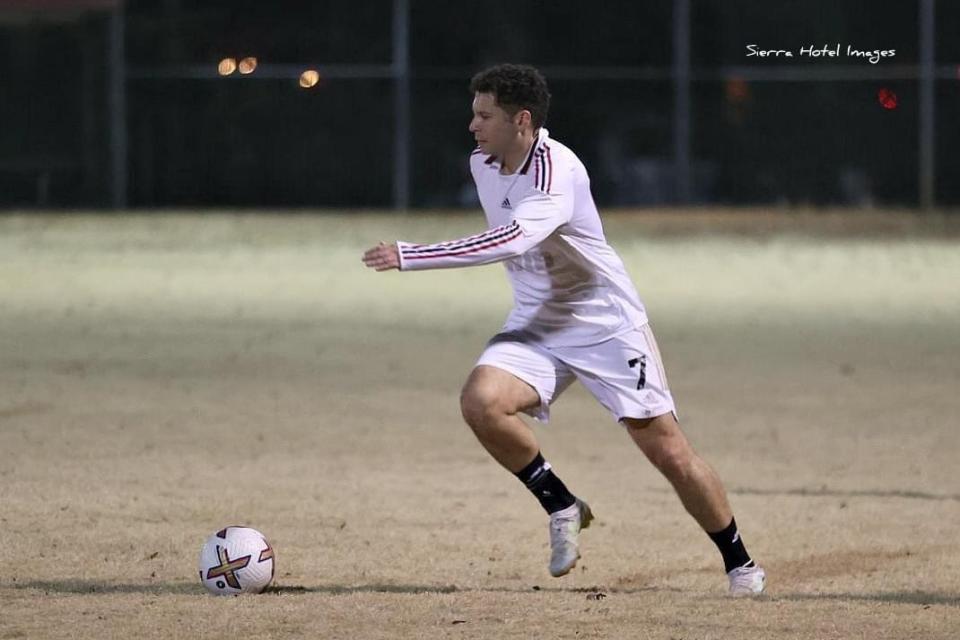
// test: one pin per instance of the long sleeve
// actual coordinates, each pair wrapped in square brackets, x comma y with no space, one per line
[536,217]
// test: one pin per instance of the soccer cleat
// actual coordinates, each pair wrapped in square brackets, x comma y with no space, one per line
[747,581]
[565,526]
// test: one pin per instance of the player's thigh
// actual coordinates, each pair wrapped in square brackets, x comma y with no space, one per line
[523,375]
[660,438]
[625,374]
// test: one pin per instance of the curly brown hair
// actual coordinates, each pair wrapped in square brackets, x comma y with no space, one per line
[515,87]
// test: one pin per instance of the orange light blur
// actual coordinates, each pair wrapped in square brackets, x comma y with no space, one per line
[248,65]
[309,78]
[227,66]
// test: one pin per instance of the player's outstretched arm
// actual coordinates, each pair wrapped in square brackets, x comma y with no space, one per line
[536,216]
[493,245]
[382,257]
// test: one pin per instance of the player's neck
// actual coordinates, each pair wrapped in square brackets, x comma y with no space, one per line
[517,154]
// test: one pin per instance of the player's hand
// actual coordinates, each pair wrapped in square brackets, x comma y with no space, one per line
[382,257]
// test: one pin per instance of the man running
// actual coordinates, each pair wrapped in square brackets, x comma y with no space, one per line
[576,316]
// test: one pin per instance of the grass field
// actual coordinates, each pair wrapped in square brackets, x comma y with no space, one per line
[166,375]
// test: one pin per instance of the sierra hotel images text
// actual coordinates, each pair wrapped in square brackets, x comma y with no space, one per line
[826,51]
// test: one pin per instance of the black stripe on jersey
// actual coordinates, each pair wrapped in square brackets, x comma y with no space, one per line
[468,250]
[460,241]
[542,171]
[494,234]
[544,178]
[549,167]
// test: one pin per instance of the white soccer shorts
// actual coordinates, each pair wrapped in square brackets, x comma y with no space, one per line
[625,373]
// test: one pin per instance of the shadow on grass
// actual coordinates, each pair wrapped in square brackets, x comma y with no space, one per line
[178,588]
[405,588]
[837,493]
[922,598]
[99,586]
[892,597]
[364,588]
[181,588]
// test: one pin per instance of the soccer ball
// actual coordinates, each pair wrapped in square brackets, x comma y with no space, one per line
[236,560]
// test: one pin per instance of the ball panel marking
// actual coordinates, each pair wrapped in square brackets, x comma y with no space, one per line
[236,560]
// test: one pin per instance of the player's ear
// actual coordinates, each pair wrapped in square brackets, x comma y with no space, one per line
[523,118]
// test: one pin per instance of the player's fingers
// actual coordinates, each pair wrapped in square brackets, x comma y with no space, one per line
[382,257]
[380,249]
[378,261]
[386,263]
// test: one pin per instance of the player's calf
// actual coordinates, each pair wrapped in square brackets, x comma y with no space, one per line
[489,402]
[702,494]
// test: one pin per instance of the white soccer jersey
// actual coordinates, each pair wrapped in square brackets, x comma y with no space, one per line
[570,288]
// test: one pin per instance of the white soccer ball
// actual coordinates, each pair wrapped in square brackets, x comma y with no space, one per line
[236,560]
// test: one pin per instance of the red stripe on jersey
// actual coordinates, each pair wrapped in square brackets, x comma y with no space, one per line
[451,243]
[550,167]
[467,251]
[540,178]
[490,234]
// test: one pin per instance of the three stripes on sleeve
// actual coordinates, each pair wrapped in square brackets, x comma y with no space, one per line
[478,249]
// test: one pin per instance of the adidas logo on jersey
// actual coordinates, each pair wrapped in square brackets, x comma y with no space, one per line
[506,204]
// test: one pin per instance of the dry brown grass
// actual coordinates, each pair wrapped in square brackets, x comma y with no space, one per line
[163,376]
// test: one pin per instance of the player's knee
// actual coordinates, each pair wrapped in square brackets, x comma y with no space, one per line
[478,404]
[673,459]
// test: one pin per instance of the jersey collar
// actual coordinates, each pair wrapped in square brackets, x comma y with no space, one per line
[538,141]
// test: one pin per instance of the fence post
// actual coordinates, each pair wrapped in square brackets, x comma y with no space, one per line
[927,144]
[401,104]
[117,106]
[681,99]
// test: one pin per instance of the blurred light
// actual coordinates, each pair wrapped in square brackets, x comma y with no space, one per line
[887,98]
[309,78]
[248,65]
[227,66]
[737,90]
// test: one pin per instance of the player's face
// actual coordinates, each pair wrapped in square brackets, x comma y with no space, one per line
[492,127]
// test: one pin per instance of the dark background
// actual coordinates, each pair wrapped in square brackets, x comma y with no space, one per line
[196,139]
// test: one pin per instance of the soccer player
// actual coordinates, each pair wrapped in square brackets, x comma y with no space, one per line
[576,316]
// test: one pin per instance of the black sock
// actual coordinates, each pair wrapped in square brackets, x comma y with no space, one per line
[731,547]
[545,486]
